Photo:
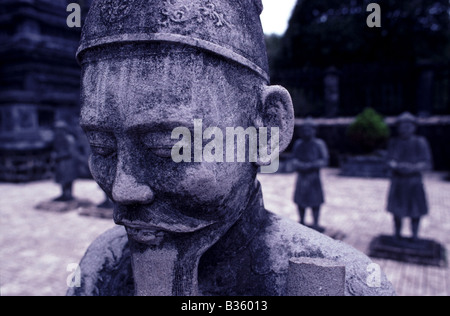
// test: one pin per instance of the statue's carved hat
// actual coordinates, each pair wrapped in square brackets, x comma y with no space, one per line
[406,117]
[230,28]
[309,122]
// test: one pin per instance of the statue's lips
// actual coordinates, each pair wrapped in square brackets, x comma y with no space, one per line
[146,236]
[148,228]
[154,235]
[158,218]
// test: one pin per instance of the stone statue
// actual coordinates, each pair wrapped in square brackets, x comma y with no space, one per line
[150,68]
[310,154]
[409,156]
[66,160]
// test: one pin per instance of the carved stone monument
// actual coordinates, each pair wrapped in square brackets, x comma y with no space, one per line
[310,154]
[408,157]
[67,160]
[191,228]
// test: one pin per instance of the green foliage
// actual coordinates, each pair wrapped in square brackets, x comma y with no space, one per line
[368,132]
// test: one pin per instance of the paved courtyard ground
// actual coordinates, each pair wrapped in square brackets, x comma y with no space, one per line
[37,248]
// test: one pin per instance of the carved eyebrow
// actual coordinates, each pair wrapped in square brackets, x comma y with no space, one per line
[138,128]
[158,126]
[101,139]
[95,125]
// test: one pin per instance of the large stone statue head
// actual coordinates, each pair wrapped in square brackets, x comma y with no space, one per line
[152,67]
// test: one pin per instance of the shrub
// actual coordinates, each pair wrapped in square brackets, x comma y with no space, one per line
[368,132]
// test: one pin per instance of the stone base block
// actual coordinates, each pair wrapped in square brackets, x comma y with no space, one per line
[423,251]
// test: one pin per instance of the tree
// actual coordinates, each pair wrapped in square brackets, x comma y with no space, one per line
[368,132]
[273,44]
[334,32]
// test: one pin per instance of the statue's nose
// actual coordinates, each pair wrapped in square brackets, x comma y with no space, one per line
[126,190]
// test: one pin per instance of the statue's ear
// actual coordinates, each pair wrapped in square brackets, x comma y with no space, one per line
[277,111]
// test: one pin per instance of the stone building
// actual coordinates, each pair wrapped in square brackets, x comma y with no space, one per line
[39,83]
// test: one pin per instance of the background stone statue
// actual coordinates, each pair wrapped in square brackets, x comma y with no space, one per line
[66,158]
[409,156]
[310,154]
[189,228]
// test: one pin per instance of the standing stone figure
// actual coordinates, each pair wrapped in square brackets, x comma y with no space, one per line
[310,154]
[149,69]
[409,156]
[66,160]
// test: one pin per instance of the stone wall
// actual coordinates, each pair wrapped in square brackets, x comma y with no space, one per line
[436,129]
[39,84]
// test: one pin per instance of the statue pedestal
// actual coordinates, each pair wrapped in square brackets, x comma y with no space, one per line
[61,207]
[423,251]
[96,211]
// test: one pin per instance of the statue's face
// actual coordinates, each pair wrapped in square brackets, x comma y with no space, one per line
[406,129]
[308,132]
[130,107]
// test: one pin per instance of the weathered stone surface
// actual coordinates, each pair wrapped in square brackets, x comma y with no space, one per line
[264,263]
[315,277]
[106,267]
[229,28]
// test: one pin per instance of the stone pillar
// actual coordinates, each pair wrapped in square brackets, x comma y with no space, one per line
[315,277]
[331,92]
[425,90]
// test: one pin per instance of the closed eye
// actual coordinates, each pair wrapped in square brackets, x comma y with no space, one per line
[102,150]
[103,144]
[159,143]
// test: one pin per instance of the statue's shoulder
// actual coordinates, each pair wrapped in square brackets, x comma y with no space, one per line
[287,239]
[106,267]
[421,140]
[298,143]
[320,142]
